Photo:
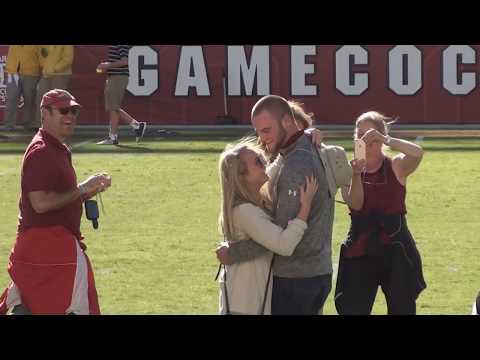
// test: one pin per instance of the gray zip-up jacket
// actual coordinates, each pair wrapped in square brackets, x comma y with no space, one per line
[313,255]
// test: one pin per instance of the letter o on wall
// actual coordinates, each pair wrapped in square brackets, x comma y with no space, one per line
[405,70]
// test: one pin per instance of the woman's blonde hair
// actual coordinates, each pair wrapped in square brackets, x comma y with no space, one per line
[300,116]
[381,122]
[233,190]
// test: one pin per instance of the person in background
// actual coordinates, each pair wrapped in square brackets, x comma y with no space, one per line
[56,62]
[22,75]
[115,86]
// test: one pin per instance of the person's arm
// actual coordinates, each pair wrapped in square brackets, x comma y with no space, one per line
[240,251]
[108,65]
[119,63]
[66,60]
[403,164]
[259,227]
[353,194]
[316,134]
[44,201]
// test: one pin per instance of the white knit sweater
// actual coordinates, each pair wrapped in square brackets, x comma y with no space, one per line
[246,282]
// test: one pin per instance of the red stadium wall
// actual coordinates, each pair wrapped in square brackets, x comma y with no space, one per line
[184,84]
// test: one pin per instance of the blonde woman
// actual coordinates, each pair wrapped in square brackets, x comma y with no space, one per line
[379,250]
[245,288]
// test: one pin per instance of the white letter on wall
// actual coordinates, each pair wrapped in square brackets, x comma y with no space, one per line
[348,82]
[300,69]
[453,82]
[258,70]
[192,72]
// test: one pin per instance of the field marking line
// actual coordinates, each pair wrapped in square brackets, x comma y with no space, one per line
[83,143]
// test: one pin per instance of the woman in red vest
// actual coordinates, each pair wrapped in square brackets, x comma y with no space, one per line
[379,249]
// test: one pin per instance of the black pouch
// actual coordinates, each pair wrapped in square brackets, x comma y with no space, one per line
[91,211]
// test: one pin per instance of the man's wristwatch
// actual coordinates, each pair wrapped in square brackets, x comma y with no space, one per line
[387,140]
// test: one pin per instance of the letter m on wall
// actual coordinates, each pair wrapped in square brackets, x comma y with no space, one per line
[248,77]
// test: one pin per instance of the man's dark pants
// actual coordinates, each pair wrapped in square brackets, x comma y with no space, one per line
[301,296]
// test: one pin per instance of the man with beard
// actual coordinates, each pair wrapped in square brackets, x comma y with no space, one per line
[301,282]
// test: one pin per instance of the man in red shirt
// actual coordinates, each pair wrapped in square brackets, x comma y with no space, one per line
[50,272]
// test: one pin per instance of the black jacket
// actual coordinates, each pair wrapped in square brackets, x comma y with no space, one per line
[403,248]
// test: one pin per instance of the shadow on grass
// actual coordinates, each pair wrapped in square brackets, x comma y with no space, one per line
[180,145]
[125,149]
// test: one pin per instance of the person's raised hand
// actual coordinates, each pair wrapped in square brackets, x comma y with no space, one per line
[358,166]
[373,135]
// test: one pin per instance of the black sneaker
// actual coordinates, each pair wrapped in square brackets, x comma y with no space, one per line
[140,131]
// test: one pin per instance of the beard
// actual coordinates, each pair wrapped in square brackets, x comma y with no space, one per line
[277,145]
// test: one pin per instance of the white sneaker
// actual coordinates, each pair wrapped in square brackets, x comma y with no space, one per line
[108,141]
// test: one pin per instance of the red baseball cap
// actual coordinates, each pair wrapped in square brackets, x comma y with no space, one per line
[60,98]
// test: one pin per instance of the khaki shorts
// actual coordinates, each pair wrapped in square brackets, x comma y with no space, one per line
[115,87]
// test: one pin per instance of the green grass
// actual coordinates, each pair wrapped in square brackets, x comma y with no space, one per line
[154,250]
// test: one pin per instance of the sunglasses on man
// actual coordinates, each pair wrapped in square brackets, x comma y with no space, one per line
[74,110]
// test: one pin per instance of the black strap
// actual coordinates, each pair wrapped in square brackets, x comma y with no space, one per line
[266,287]
[224,285]
[226,291]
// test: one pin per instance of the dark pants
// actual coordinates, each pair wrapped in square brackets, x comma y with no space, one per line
[360,277]
[302,296]
[477,303]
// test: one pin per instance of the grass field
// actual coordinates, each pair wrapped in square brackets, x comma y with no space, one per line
[154,250]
